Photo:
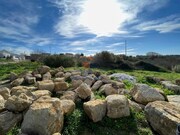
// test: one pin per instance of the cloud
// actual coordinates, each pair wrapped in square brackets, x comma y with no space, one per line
[163,25]
[115,45]
[100,17]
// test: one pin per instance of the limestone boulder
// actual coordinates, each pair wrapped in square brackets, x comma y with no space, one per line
[105,79]
[108,89]
[76,83]
[122,77]
[174,99]
[67,106]
[60,86]
[39,93]
[18,103]
[137,107]
[67,75]
[89,81]
[95,109]
[17,82]
[62,79]
[5,92]
[59,75]
[46,85]
[38,77]
[43,69]
[173,87]
[8,120]
[46,76]
[117,106]
[143,94]
[83,91]
[77,77]
[2,102]
[97,85]
[30,80]
[44,117]
[13,76]
[69,95]
[163,117]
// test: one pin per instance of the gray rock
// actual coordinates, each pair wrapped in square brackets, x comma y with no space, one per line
[163,117]
[44,69]
[59,75]
[8,120]
[69,95]
[137,107]
[17,82]
[39,93]
[2,102]
[143,94]
[47,76]
[60,86]
[44,117]
[97,85]
[122,77]
[13,76]
[169,85]
[30,80]
[117,106]
[108,90]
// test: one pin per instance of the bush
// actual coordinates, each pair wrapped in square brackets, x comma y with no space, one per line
[104,59]
[59,60]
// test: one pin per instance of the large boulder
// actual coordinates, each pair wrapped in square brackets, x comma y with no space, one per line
[2,102]
[17,82]
[47,76]
[122,77]
[18,103]
[105,79]
[83,91]
[163,117]
[97,85]
[67,106]
[8,120]
[61,86]
[69,95]
[59,75]
[95,109]
[137,107]
[46,85]
[108,89]
[39,93]
[143,94]
[152,79]
[44,69]
[5,93]
[89,80]
[44,117]
[76,83]
[117,106]
[30,80]
[169,85]
[174,99]
[13,76]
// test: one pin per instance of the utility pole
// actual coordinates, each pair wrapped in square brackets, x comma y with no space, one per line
[125,44]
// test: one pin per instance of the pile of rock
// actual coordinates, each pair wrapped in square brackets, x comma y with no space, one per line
[36,109]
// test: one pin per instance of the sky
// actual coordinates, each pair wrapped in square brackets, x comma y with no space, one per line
[90,26]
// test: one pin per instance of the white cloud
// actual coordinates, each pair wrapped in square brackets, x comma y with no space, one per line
[100,17]
[163,25]
[85,42]
[115,45]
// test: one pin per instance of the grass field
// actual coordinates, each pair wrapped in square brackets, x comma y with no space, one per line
[79,124]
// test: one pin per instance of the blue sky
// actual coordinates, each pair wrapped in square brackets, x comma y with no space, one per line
[90,26]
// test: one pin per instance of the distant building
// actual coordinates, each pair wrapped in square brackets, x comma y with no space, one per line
[152,54]
[4,54]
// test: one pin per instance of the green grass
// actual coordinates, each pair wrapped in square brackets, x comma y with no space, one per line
[14,130]
[78,124]
[5,70]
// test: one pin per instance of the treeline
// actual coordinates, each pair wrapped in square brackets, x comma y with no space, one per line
[106,59]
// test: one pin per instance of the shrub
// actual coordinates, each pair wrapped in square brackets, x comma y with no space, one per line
[104,59]
[59,60]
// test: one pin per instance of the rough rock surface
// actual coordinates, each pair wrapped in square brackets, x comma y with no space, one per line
[108,89]
[18,103]
[8,120]
[44,69]
[67,106]
[59,75]
[170,86]
[117,106]
[83,91]
[144,94]
[2,102]
[95,109]
[44,117]
[61,86]
[5,93]
[163,117]
[46,85]
[30,80]
[97,85]
[69,95]
[137,107]
[122,77]
[39,93]
[47,76]
[17,82]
